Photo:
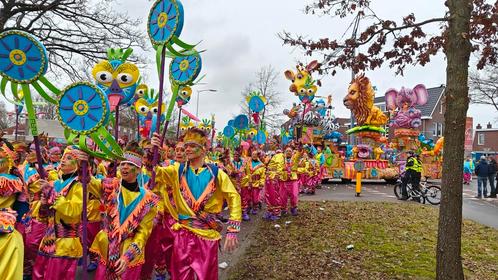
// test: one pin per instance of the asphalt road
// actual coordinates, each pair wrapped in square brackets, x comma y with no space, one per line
[484,211]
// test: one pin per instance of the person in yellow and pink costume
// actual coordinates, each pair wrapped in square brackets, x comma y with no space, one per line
[253,181]
[61,204]
[130,209]
[194,192]
[289,181]
[12,188]
[35,223]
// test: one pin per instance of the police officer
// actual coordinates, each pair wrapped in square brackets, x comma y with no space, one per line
[413,173]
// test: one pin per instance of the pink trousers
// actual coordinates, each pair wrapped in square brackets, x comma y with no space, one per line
[289,190]
[250,198]
[159,248]
[303,182]
[92,229]
[54,268]
[33,235]
[194,258]
[467,177]
[272,197]
[131,273]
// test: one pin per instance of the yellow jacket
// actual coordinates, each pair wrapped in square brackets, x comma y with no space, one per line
[274,166]
[68,211]
[289,168]
[140,235]
[34,188]
[254,177]
[168,178]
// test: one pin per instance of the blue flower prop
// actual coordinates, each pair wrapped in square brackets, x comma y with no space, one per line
[83,108]
[185,69]
[165,21]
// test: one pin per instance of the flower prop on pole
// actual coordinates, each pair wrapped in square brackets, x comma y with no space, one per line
[24,63]
[83,110]
[256,103]
[164,27]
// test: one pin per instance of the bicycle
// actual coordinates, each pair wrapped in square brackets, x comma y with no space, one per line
[431,193]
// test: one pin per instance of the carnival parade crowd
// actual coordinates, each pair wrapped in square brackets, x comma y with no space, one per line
[143,221]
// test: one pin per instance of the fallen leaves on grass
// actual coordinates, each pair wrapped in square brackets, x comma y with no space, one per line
[391,241]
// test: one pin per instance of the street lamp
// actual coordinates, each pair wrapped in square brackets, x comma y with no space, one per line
[199,91]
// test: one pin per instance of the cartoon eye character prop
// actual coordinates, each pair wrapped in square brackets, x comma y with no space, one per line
[117,77]
[104,77]
[183,97]
[143,109]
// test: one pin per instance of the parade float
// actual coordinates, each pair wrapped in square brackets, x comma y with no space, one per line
[405,122]
[368,153]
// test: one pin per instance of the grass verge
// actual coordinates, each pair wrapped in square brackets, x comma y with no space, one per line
[391,241]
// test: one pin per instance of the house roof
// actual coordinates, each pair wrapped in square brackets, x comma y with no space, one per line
[428,109]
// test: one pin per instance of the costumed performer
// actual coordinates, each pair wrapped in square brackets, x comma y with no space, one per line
[12,188]
[130,209]
[197,191]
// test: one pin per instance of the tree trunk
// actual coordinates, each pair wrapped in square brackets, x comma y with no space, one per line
[458,48]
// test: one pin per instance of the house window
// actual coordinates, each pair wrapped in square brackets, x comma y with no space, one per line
[441,108]
[382,108]
[440,129]
[480,139]
[434,131]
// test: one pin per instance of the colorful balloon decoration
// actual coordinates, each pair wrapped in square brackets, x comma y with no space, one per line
[83,110]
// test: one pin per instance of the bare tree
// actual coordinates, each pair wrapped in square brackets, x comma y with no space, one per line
[265,83]
[76,33]
[5,120]
[484,86]
[45,110]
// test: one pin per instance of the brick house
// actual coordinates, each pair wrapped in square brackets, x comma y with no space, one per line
[485,141]
[432,113]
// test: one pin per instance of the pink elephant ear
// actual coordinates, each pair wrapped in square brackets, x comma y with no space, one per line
[391,98]
[421,93]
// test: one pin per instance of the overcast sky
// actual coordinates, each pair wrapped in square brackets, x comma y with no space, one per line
[240,37]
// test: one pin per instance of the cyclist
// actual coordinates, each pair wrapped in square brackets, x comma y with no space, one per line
[413,173]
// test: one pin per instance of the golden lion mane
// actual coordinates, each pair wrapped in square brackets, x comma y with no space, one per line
[364,103]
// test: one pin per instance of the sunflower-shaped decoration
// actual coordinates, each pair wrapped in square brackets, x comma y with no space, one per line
[117,77]
[256,101]
[261,137]
[83,111]
[184,95]
[24,62]
[185,69]
[147,107]
[229,131]
[165,21]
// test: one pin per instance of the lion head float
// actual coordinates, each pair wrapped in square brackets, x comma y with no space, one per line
[360,100]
